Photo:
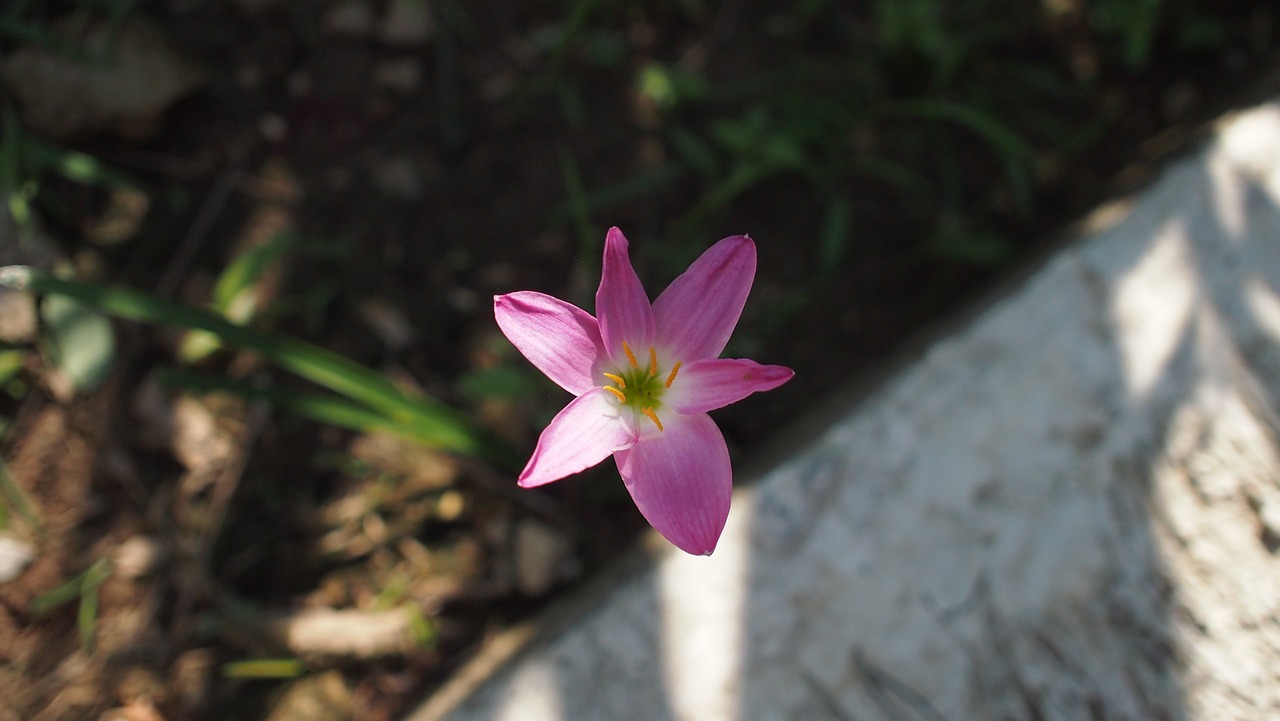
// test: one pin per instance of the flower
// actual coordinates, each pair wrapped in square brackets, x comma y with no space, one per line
[645,377]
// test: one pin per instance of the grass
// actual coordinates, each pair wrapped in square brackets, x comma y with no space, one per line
[372,397]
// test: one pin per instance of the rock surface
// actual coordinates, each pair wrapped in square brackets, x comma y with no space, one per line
[128,77]
[1067,509]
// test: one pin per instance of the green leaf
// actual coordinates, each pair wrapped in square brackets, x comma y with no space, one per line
[81,341]
[10,364]
[655,83]
[425,632]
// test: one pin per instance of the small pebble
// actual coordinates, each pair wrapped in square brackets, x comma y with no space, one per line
[540,555]
[17,317]
[350,19]
[15,555]
[136,557]
[407,23]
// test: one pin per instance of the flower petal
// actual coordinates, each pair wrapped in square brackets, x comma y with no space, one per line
[713,383]
[696,314]
[681,481]
[621,303]
[560,339]
[581,435]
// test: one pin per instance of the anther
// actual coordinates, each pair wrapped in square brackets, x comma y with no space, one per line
[652,416]
[653,362]
[631,357]
[622,398]
[618,380]
[674,370]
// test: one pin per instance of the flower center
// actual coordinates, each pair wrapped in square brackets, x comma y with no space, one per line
[641,387]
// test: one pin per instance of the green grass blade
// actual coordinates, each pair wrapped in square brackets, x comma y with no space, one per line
[1005,141]
[833,245]
[16,189]
[87,614]
[59,595]
[578,205]
[245,269]
[263,668]
[1012,150]
[640,185]
[233,293]
[327,409]
[14,497]
[440,425]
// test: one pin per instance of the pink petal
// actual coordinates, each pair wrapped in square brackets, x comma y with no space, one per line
[681,481]
[696,314]
[706,385]
[585,432]
[560,339]
[621,303]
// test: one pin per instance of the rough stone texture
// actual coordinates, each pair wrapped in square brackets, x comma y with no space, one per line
[1068,509]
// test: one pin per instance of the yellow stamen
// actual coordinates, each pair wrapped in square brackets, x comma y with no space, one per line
[653,362]
[630,356]
[622,398]
[618,380]
[674,370]
[652,416]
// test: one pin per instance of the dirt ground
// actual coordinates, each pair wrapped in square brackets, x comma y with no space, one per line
[421,157]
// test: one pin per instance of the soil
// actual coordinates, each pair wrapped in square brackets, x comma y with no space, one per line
[420,165]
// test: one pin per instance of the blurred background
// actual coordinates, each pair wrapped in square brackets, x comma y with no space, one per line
[260,429]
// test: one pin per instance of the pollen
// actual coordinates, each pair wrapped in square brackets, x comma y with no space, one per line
[652,416]
[617,380]
[653,362]
[631,357]
[622,397]
[674,370]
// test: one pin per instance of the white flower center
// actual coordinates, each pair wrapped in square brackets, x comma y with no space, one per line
[639,387]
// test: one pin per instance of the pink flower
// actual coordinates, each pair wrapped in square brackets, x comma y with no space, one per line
[645,377]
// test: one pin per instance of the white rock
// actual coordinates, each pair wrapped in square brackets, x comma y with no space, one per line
[15,555]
